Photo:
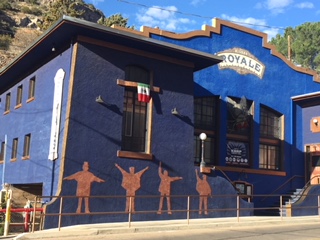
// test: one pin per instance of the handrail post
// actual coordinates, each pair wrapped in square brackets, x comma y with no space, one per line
[281,207]
[34,214]
[129,220]
[26,221]
[60,212]
[238,208]
[188,210]
[318,205]
[8,217]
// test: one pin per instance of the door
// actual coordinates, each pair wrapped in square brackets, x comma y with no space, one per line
[314,167]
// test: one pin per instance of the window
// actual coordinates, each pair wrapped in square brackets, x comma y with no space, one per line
[26,146]
[8,100]
[134,126]
[270,123]
[239,130]
[239,116]
[2,151]
[270,139]
[19,96]
[205,113]
[32,85]
[269,157]
[315,161]
[134,123]
[208,147]
[14,152]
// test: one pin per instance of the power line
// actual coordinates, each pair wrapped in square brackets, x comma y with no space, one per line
[197,15]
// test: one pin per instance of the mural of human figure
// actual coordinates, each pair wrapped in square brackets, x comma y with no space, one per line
[131,182]
[165,188]
[204,191]
[84,179]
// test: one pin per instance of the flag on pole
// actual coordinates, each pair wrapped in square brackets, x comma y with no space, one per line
[143,92]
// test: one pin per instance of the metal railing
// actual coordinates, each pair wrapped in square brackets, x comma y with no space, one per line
[238,210]
[285,184]
[186,206]
[26,213]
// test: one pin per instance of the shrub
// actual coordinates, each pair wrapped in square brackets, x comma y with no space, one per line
[34,11]
[5,5]
[35,2]
[5,41]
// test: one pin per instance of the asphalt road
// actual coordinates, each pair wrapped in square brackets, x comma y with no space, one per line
[301,231]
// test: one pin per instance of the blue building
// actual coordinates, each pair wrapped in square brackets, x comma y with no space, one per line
[257,108]
[93,111]
[110,119]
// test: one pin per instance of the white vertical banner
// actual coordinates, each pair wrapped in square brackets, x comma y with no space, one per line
[56,112]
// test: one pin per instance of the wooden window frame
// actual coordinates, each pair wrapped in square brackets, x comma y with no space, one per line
[8,103]
[210,150]
[26,146]
[270,140]
[237,133]
[14,152]
[202,102]
[32,88]
[2,149]
[134,132]
[147,155]
[19,97]
[245,138]
[267,164]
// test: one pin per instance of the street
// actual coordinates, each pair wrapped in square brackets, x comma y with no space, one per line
[301,231]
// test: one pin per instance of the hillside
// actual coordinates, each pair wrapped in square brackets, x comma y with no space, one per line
[22,22]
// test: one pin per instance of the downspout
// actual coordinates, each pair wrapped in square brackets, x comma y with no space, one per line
[291,136]
[4,159]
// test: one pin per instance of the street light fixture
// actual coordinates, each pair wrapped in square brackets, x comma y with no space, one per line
[202,137]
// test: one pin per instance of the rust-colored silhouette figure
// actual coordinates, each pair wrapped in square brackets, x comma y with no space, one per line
[131,182]
[84,179]
[204,191]
[165,188]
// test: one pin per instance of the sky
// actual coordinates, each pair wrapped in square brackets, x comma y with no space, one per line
[181,16]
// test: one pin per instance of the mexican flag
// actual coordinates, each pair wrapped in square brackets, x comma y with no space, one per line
[143,92]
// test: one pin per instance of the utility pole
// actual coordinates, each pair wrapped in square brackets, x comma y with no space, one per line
[289,47]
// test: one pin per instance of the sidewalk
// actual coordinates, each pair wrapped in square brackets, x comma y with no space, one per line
[149,226]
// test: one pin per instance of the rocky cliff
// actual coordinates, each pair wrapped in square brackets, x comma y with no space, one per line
[20,21]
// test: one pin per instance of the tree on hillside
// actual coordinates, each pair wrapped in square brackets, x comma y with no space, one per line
[77,9]
[305,45]
[5,5]
[59,8]
[6,25]
[116,19]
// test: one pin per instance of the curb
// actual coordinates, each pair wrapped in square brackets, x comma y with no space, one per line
[155,226]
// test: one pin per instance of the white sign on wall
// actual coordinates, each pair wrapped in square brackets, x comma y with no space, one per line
[242,61]
[56,112]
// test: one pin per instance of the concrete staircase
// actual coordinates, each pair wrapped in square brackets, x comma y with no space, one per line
[286,207]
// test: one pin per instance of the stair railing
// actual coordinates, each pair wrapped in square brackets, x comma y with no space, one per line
[232,183]
[307,185]
[282,185]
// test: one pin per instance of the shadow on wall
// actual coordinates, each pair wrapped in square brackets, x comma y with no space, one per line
[308,203]
[210,196]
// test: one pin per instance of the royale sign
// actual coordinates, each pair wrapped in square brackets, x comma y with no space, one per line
[242,61]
